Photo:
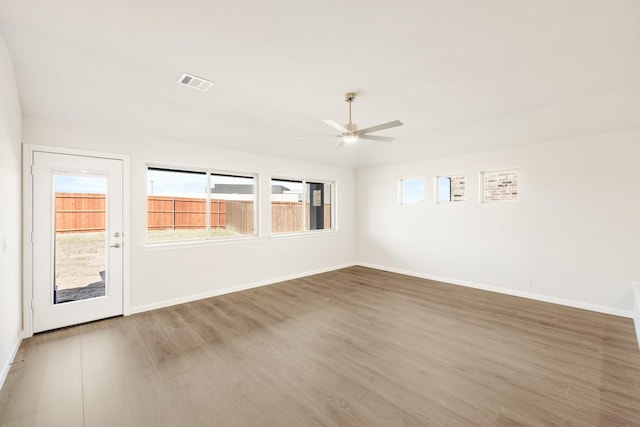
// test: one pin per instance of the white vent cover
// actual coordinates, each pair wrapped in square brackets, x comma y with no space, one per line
[195,82]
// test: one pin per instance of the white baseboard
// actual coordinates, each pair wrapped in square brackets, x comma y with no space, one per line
[498,289]
[6,366]
[636,311]
[223,291]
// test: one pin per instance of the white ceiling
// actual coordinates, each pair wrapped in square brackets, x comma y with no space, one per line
[463,75]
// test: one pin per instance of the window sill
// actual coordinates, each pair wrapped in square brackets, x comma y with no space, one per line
[160,246]
[283,236]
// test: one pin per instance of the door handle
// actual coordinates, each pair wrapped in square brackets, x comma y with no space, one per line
[115,245]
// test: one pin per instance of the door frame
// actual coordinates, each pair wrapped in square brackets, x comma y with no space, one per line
[27,226]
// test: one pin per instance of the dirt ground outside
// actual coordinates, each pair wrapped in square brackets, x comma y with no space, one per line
[80,258]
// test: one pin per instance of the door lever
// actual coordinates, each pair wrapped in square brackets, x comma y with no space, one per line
[115,245]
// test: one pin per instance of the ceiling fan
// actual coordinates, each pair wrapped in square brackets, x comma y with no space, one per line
[350,133]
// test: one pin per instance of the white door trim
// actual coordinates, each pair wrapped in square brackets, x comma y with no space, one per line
[27,224]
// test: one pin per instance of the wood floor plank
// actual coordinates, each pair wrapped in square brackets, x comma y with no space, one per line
[60,401]
[350,347]
[24,382]
[25,421]
[103,381]
[147,396]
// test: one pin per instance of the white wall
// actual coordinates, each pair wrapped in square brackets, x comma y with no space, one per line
[575,232]
[10,214]
[160,277]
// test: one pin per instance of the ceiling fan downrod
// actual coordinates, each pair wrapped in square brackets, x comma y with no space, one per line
[350,97]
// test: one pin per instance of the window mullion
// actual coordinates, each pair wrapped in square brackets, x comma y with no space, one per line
[208,207]
[304,206]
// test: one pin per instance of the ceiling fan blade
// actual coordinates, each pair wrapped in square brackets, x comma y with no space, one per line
[376,138]
[336,126]
[380,127]
[340,144]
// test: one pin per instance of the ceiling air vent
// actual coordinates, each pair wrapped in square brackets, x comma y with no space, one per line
[195,82]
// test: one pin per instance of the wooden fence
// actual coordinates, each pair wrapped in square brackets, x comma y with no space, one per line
[240,216]
[82,212]
[286,217]
[180,213]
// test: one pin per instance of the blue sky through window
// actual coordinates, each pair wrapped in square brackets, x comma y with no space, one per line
[175,183]
[412,191]
[187,184]
[81,184]
[444,189]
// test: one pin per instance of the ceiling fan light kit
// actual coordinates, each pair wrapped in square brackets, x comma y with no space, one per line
[349,138]
[349,133]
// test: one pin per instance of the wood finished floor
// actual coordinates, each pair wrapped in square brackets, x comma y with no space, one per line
[350,347]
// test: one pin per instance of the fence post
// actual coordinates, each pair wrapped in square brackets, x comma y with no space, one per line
[173,213]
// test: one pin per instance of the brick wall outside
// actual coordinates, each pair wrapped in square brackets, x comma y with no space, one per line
[500,186]
[457,188]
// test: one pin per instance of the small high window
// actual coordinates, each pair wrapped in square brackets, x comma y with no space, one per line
[450,189]
[411,191]
[499,186]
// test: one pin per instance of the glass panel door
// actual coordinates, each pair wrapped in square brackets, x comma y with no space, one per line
[80,237]
[77,238]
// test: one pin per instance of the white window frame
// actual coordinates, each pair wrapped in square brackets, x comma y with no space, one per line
[209,240]
[305,231]
[401,201]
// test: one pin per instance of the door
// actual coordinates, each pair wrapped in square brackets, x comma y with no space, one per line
[77,239]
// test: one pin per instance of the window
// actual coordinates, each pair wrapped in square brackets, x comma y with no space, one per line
[300,205]
[411,191]
[450,189]
[499,186]
[199,205]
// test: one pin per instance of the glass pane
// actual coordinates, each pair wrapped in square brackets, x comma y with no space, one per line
[318,206]
[444,189]
[80,237]
[412,191]
[232,205]
[286,206]
[176,205]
